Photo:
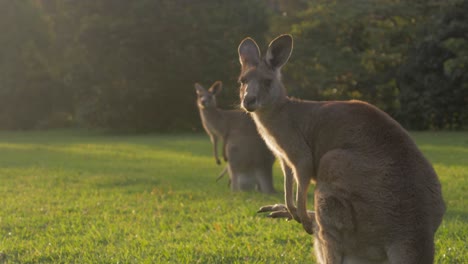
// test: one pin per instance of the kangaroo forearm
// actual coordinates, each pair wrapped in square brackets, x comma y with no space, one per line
[224,150]
[214,139]
[288,188]
[302,187]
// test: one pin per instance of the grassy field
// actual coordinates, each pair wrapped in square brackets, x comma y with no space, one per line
[88,197]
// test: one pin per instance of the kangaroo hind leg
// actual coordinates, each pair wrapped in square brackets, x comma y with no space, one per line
[419,249]
[333,218]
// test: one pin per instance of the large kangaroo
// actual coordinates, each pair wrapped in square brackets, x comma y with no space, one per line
[377,199]
[250,161]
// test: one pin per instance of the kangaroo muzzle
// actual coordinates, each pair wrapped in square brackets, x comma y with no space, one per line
[249,103]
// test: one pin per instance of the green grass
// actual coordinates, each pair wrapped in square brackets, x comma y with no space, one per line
[88,197]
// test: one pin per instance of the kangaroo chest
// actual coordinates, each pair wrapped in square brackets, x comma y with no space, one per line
[270,140]
[213,122]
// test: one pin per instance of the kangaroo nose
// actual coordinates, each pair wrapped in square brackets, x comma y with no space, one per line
[249,103]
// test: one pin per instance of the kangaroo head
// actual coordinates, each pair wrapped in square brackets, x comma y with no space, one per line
[260,78]
[207,98]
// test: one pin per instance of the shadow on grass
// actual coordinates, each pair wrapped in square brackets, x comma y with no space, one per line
[194,143]
[128,184]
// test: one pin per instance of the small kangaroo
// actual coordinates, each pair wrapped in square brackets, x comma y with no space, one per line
[250,161]
[376,198]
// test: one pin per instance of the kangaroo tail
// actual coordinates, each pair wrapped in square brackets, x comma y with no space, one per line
[222,173]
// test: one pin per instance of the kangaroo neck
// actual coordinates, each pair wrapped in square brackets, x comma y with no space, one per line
[286,113]
[272,110]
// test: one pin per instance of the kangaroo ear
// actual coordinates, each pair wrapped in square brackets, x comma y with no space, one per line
[216,87]
[249,53]
[279,51]
[199,89]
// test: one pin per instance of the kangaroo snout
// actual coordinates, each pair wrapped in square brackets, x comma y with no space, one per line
[249,103]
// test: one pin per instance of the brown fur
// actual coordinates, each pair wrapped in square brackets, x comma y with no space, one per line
[377,199]
[241,141]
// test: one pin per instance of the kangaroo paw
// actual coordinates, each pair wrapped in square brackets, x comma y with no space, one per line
[280,211]
[276,211]
[294,214]
[272,208]
[280,214]
[308,226]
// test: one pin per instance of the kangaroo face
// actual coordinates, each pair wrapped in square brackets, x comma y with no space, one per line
[258,88]
[260,77]
[207,98]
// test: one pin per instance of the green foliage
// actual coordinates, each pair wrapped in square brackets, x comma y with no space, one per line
[28,90]
[379,51]
[131,65]
[142,57]
[434,83]
[88,197]
[352,49]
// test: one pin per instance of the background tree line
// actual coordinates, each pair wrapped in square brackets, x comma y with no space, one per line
[131,65]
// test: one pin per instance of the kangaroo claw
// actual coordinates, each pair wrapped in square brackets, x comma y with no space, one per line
[272,208]
[281,211]
[276,211]
[280,214]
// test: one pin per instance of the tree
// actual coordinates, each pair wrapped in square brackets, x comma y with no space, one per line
[434,81]
[131,65]
[354,49]
[29,92]
[141,58]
